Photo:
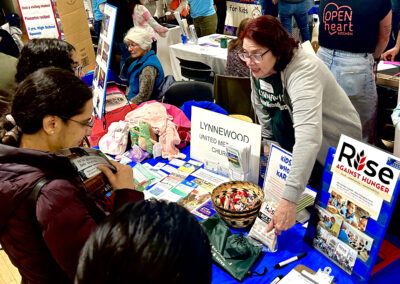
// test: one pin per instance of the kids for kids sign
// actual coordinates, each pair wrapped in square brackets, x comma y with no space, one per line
[39,20]
[369,167]
[212,132]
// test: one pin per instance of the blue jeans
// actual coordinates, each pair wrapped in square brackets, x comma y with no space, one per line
[97,27]
[353,72]
[299,11]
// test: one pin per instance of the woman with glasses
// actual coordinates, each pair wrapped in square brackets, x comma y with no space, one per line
[143,70]
[51,110]
[45,52]
[299,105]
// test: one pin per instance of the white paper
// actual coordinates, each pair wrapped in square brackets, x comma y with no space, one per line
[169,169]
[210,177]
[177,162]
[159,165]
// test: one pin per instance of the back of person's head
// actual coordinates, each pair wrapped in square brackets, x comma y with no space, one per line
[147,242]
[140,36]
[47,91]
[268,32]
[44,52]
[238,42]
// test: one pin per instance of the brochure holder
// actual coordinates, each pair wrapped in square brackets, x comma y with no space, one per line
[335,249]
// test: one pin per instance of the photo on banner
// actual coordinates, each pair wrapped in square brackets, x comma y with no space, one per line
[357,240]
[103,59]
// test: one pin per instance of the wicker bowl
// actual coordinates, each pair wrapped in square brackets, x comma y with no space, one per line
[237,219]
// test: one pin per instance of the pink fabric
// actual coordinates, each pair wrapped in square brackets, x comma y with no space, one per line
[161,121]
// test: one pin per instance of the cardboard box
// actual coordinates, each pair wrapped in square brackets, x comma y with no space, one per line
[76,31]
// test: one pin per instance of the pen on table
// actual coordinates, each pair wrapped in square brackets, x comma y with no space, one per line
[276,279]
[290,260]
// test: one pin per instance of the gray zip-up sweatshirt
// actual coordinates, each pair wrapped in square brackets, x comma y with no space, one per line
[321,112]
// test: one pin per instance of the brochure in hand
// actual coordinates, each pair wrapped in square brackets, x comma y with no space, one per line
[85,162]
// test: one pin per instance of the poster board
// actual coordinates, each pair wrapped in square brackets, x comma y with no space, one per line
[212,132]
[349,220]
[103,56]
[75,28]
[237,10]
[39,19]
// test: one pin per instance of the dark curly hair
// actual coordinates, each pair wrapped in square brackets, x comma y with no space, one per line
[147,242]
[47,91]
[267,31]
[44,52]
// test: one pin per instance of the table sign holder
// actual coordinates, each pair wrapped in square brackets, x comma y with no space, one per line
[354,164]
[103,56]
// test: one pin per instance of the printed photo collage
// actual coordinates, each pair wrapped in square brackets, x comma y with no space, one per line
[340,231]
[102,59]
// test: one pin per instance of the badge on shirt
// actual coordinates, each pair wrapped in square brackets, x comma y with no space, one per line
[266,86]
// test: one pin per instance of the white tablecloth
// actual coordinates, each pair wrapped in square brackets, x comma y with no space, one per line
[206,51]
[163,43]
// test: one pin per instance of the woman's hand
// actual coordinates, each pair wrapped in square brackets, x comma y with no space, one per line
[284,217]
[123,178]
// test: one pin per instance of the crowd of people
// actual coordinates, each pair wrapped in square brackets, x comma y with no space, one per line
[73,236]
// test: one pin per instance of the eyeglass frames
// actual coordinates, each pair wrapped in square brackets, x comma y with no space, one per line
[89,123]
[255,57]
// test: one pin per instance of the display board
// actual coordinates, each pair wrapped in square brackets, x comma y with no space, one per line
[353,209]
[39,19]
[212,132]
[237,10]
[103,55]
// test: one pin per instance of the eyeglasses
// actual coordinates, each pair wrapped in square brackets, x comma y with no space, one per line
[88,123]
[255,57]
[77,70]
[133,45]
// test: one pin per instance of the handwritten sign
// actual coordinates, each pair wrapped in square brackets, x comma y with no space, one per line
[212,132]
[237,10]
[39,19]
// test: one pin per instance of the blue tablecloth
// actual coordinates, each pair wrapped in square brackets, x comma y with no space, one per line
[291,243]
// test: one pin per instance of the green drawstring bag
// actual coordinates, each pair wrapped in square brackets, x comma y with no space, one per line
[234,253]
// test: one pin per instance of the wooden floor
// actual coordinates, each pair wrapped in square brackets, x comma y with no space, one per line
[8,273]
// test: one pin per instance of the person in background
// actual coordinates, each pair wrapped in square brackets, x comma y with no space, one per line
[147,242]
[166,8]
[204,17]
[143,19]
[234,65]
[350,47]
[394,42]
[347,213]
[46,52]
[297,9]
[143,70]
[220,8]
[52,110]
[292,95]
[123,23]
[98,9]
[268,7]
[7,44]
[8,69]
[12,26]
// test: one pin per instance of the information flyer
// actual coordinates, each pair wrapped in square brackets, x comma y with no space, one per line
[39,19]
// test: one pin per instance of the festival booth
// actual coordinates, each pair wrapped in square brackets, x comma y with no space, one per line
[210,164]
[224,151]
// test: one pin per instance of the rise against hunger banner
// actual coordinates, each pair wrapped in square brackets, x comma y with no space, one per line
[237,10]
[39,19]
